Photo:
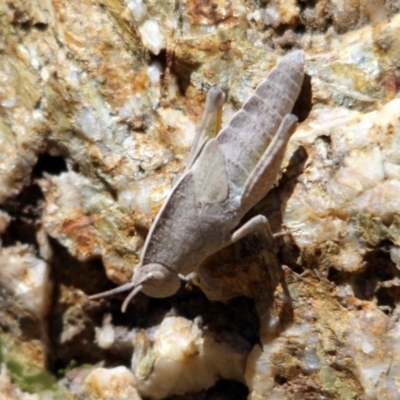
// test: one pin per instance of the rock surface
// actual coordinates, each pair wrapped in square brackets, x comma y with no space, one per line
[99,103]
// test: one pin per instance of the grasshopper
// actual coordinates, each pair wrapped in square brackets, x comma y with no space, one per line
[226,176]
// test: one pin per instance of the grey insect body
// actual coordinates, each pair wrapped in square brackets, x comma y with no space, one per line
[226,176]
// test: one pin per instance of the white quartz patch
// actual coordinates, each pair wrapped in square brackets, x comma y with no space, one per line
[27,278]
[138,9]
[182,358]
[152,36]
[110,384]
[355,170]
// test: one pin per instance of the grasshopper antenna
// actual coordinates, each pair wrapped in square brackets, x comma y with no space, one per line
[119,289]
[153,279]
[123,288]
[130,296]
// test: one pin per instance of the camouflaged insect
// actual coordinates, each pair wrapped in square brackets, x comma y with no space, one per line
[226,176]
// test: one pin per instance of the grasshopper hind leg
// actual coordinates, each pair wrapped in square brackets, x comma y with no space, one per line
[262,178]
[259,223]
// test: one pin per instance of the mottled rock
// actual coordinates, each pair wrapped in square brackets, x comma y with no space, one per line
[109,384]
[180,357]
[99,104]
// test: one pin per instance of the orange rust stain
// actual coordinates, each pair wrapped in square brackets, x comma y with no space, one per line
[79,221]
[225,46]
[119,83]
[141,81]
[391,84]
[390,129]
[209,11]
[80,228]
[36,354]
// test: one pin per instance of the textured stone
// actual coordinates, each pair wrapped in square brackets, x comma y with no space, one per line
[99,104]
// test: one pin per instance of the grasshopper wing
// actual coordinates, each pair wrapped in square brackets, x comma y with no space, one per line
[210,178]
[210,123]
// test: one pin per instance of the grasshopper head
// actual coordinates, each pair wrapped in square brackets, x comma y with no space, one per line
[153,279]
[156,280]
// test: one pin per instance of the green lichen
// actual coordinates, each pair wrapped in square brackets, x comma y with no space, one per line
[24,373]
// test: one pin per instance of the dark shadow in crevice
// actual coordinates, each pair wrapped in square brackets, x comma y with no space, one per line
[378,281]
[303,105]
[378,268]
[72,319]
[388,298]
[236,318]
[53,165]
[224,389]
[25,211]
